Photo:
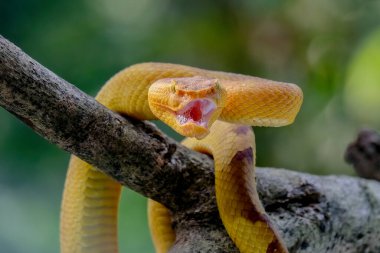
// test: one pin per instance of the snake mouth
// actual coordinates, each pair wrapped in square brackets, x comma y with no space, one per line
[198,112]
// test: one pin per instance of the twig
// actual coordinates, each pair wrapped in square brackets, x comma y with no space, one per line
[364,154]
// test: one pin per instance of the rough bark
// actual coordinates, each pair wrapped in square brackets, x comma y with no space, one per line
[314,214]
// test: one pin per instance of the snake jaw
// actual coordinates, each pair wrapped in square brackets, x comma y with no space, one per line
[196,116]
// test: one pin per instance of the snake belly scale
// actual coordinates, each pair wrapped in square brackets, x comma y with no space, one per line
[214,107]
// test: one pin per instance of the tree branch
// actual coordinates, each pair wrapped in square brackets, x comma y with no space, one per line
[135,153]
[314,214]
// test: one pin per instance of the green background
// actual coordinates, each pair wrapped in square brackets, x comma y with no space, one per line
[329,48]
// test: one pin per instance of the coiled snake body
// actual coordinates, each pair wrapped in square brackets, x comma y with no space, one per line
[217,109]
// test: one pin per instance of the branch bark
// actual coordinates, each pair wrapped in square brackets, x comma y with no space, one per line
[313,214]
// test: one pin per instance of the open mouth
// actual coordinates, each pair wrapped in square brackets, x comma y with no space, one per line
[197,111]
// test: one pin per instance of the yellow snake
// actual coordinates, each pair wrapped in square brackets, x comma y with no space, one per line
[215,108]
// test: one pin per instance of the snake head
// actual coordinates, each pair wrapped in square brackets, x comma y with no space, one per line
[189,105]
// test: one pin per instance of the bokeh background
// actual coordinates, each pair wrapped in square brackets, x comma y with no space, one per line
[330,48]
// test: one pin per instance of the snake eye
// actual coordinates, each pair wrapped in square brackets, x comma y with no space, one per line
[172,86]
[217,84]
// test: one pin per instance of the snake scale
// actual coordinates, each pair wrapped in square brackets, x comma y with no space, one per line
[217,108]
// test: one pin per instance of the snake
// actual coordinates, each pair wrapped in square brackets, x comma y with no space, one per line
[214,110]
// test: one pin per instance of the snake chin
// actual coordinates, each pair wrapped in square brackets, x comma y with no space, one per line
[195,117]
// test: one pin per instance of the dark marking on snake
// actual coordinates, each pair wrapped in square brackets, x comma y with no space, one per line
[241,164]
[274,247]
[242,130]
[246,154]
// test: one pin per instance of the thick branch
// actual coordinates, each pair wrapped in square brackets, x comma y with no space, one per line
[334,214]
[314,214]
[134,153]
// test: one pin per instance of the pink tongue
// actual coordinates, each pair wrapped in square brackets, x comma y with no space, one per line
[196,112]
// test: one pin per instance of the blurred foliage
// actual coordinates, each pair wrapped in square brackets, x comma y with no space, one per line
[330,48]
[363,82]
